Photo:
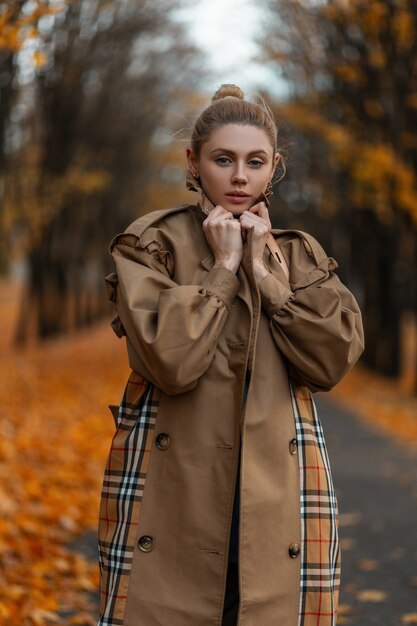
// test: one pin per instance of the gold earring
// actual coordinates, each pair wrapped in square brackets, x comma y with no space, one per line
[204,208]
[268,191]
[205,204]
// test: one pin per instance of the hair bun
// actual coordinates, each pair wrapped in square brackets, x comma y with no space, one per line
[228,90]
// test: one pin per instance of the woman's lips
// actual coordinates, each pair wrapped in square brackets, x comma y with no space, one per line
[237,199]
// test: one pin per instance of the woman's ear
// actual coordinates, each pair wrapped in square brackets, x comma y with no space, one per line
[192,161]
[277,158]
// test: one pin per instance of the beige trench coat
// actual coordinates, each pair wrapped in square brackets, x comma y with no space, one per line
[192,332]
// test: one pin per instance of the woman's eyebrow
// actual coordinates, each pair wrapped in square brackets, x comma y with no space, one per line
[261,150]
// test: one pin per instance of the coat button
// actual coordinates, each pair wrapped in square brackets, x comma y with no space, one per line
[163,441]
[294,550]
[293,446]
[145,543]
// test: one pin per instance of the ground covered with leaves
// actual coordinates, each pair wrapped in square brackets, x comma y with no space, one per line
[55,433]
[380,401]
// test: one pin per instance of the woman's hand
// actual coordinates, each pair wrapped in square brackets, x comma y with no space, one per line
[258,218]
[224,237]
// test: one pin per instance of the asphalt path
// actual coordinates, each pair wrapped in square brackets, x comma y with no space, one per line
[376,485]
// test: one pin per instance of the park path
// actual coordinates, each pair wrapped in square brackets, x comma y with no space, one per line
[376,484]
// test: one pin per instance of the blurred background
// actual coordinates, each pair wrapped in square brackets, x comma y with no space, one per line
[97,101]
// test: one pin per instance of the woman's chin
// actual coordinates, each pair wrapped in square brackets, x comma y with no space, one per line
[237,208]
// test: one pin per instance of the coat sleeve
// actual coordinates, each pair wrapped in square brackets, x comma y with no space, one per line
[315,320]
[173,329]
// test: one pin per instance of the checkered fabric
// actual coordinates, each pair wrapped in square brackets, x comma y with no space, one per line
[320,552]
[122,491]
[123,484]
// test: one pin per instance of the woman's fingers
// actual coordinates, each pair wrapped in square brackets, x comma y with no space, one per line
[257,217]
[260,224]
[219,211]
[263,211]
[223,234]
[260,209]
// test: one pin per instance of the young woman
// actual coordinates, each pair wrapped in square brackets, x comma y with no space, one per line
[218,505]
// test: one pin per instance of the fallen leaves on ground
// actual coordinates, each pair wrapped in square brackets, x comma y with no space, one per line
[348,543]
[409,618]
[345,613]
[371,595]
[379,400]
[350,518]
[368,565]
[55,433]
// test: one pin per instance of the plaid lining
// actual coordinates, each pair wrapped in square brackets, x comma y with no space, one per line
[124,482]
[320,552]
[123,485]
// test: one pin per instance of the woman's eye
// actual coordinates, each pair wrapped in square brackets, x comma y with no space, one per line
[222,160]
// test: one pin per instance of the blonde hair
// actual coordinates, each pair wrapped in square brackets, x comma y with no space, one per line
[228,106]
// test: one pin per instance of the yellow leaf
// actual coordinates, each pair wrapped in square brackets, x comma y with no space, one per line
[82,620]
[39,616]
[345,609]
[403,25]
[409,618]
[372,595]
[39,59]
[85,584]
[368,565]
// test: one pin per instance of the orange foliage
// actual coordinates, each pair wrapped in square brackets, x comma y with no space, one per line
[379,175]
[404,28]
[15,27]
[380,401]
[56,430]
[352,71]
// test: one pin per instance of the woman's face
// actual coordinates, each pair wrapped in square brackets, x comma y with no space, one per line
[235,165]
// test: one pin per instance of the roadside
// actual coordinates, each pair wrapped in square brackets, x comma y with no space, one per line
[380,401]
[55,435]
[375,480]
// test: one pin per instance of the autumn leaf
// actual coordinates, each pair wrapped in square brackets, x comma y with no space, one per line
[345,610]
[409,618]
[82,620]
[39,617]
[39,59]
[17,26]
[372,595]
[368,565]
[348,543]
[381,402]
[55,431]
[345,613]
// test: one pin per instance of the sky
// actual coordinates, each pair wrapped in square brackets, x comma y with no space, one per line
[226,32]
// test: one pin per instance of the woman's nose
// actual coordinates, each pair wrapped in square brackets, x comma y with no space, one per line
[239,175]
